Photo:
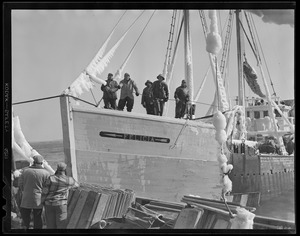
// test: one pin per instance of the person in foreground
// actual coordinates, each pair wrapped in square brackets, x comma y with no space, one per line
[55,196]
[31,184]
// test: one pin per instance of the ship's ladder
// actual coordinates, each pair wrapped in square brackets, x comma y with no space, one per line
[226,42]
[170,44]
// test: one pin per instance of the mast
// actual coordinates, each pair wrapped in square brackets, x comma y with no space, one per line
[240,52]
[188,57]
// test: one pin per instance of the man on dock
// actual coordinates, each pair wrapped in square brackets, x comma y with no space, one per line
[55,196]
[31,184]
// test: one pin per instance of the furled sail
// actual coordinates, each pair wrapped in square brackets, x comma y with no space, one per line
[251,78]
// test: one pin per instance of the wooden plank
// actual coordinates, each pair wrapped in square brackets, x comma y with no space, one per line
[97,198]
[219,205]
[253,199]
[188,218]
[71,191]
[178,206]
[77,210]
[161,208]
[73,202]
[86,211]
[100,208]
[244,200]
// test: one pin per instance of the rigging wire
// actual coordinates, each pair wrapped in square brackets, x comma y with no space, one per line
[129,54]
[251,17]
[247,38]
[46,98]
[76,98]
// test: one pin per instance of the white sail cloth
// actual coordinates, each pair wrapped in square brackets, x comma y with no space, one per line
[22,147]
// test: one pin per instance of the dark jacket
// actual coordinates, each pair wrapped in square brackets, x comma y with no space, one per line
[182,94]
[31,183]
[147,96]
[110,89]
[160,90]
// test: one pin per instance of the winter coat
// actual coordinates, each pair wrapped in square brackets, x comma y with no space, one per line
[31,183]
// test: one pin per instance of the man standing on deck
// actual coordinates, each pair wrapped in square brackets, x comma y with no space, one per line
[181,96]
[110,92]
[147,98]
[31,184]
[160,95]
[127,85]
[55,196]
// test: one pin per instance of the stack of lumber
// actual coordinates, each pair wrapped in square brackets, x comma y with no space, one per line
[89,204]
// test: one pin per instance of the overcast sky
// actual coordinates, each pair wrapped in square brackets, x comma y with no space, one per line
[50,48]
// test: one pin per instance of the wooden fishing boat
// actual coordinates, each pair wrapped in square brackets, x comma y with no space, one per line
[163,157]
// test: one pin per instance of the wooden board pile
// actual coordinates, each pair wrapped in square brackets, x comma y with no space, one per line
[89,204]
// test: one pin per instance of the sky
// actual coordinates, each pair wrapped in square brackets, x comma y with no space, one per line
[50,48]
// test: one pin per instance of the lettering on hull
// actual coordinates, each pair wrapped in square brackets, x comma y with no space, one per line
[135,137]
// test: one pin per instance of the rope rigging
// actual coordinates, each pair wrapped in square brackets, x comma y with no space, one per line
[46,98]
[274,93]
[170,43]
[118,73]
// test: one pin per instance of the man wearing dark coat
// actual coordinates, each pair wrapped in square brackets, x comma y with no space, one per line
[147,98]
[182,97]
[110,92]
[160,95]
[31,184]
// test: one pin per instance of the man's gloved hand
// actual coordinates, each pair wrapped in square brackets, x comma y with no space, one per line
[137,94]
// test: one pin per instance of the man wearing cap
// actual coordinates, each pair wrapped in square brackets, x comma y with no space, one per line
[55,195]
[31,184]
[147,98]
[127,86]
[110,92]
[160,94]
[181,96]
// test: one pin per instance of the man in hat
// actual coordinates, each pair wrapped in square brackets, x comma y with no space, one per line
[160,94]
[55,195]
[110,92]
[181,96]
[31,184]
[127,86]
[147,98]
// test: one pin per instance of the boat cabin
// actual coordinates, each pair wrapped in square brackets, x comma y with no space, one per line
[258,119]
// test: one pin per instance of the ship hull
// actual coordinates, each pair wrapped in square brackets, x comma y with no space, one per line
[161,157]
[157,157]
[269,174]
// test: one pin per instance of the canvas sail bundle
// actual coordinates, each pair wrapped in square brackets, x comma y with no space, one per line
[251,78]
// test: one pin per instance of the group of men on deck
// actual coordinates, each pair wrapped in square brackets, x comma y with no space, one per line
[154,95]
